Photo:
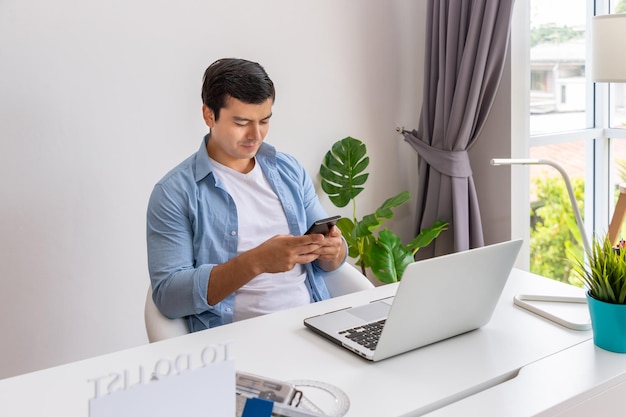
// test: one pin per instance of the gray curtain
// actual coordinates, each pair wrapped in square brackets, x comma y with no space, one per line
[466,48]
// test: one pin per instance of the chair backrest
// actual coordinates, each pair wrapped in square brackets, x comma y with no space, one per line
[159,327]
[344,280]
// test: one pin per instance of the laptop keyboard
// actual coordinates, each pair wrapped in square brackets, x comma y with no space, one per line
[366,335]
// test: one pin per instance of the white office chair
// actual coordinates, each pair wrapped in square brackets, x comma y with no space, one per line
[344,280]
[159,327]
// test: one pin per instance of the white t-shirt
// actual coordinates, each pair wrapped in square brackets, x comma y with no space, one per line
[261,216]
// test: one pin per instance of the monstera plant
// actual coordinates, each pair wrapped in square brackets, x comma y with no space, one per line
[343,179]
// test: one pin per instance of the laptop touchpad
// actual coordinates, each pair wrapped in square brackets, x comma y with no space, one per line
[374,311]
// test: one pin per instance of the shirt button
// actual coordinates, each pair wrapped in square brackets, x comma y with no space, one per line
[233,233]
[228,309]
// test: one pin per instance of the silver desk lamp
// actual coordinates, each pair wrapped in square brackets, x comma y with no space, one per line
[536,303]
[568,184]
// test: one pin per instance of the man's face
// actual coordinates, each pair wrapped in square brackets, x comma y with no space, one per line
[239,132]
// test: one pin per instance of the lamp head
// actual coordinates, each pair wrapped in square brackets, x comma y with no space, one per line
[515,161]
[608,62]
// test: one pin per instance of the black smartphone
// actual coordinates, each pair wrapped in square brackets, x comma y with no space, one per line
[323,226]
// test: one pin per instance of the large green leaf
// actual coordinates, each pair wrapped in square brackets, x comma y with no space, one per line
[389,258]
[426,236]
[370,222]
[347,226]
[343,169]
[367,243]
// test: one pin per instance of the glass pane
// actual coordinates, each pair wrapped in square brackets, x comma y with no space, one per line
[554,234]
[617,115]
[618,173]
[558,95]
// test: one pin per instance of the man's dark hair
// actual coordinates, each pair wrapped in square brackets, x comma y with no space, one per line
[230,77]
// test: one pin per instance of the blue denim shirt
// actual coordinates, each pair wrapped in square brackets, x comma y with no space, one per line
[192,226]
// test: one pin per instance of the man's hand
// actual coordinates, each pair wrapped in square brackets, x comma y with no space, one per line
[282,252]
[331,251]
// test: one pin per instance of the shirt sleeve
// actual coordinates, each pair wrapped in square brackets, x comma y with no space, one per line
[179,289]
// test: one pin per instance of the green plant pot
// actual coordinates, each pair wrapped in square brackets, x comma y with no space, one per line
[609,324]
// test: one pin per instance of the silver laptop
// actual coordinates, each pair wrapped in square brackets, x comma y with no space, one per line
[437,299]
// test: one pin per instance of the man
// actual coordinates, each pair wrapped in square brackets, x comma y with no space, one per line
[225,227]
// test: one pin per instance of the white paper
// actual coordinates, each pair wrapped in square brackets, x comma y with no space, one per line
[209,390]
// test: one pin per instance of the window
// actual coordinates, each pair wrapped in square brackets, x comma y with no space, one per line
[575,123]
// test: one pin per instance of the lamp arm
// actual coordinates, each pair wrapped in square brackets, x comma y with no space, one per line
[568,185]
[572,199]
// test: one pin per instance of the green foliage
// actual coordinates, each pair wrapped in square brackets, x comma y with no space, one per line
[550,33]
[555,241]
[555,236]
[343,179]
[605,275]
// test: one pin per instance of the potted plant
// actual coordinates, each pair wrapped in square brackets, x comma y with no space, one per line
[343,179]
[604,276]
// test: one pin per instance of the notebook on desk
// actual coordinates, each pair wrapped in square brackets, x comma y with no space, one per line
[437,299]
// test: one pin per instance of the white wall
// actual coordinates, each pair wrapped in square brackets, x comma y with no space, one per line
[99,99]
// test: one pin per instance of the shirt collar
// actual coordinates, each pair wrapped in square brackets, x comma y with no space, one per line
[204,166]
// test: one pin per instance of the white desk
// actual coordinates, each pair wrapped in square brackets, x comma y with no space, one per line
[466,371]
[580,381]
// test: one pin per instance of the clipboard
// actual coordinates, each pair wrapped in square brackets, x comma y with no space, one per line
[563,310]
